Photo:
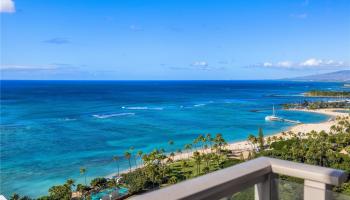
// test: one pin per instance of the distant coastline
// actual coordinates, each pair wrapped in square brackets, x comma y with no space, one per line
[244,147]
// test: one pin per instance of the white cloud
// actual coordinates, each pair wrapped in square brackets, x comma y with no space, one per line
[285,64]
[7,6]
[311,63]
[27,67]
[200,63]
[267,64]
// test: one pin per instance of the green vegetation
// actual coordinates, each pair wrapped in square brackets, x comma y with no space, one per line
[323,149]
[317,105]
[160,170]
[324,93]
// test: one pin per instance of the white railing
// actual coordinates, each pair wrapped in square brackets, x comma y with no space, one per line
[259,173]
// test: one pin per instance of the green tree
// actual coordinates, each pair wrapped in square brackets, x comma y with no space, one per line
[127,155]
[83,173]
[139,155]
[116,159]
[15,196]
[197,158]
[98,182]
[210,140]
[261,140]
[172,155]
[172,180]
[188,148]
[61,192]
[219,141]
[136,181]
[252,140]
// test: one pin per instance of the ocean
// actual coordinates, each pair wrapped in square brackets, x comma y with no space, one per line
[49,129]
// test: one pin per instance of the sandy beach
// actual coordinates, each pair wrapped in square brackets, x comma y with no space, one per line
[245,147]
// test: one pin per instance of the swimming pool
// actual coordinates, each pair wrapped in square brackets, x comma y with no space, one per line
[115,192]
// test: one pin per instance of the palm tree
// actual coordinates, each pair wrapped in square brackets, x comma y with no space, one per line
[268,140]
[131,152]
[127,155]
[251,139]
[195,142]
[15,196]
[70,183]
[188,147]
[274,138]
[116,159]
[219,141]
[206,158]
[139,155]
[198,158]
[172,155]
[83,172]
[209,139]
[201,139]
[179,151]
[261,139]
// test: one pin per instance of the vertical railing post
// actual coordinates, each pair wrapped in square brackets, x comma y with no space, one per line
[316,190]
[268,189]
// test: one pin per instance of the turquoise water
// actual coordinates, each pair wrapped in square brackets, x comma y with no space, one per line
[49,129]
[121,191]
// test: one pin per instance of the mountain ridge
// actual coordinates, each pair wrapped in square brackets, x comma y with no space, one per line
[337,76]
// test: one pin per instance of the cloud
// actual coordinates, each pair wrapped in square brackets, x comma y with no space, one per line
[285,64]
[199,66]
[311,63]
[135,28]
[57,40]
[200,63]
[7,6]
[27,67]
[299,16]
[37,68]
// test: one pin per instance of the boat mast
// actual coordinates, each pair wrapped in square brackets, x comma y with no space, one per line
[273,110]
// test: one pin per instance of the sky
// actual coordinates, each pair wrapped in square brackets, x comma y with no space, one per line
[172,39]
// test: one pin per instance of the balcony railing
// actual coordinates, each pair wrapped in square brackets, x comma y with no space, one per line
[260,173]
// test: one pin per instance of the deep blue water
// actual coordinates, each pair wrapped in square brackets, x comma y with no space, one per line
[49,129]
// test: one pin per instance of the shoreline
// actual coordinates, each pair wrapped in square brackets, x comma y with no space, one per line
[245,147]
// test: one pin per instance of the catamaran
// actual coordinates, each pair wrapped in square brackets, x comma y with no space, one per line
[272,117]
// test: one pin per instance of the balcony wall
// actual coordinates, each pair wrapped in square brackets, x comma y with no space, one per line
[261,175]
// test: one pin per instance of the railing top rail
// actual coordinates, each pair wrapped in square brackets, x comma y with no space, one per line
[238,177]
[309,172]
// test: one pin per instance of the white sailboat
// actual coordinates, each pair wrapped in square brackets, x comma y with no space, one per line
[272,117]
